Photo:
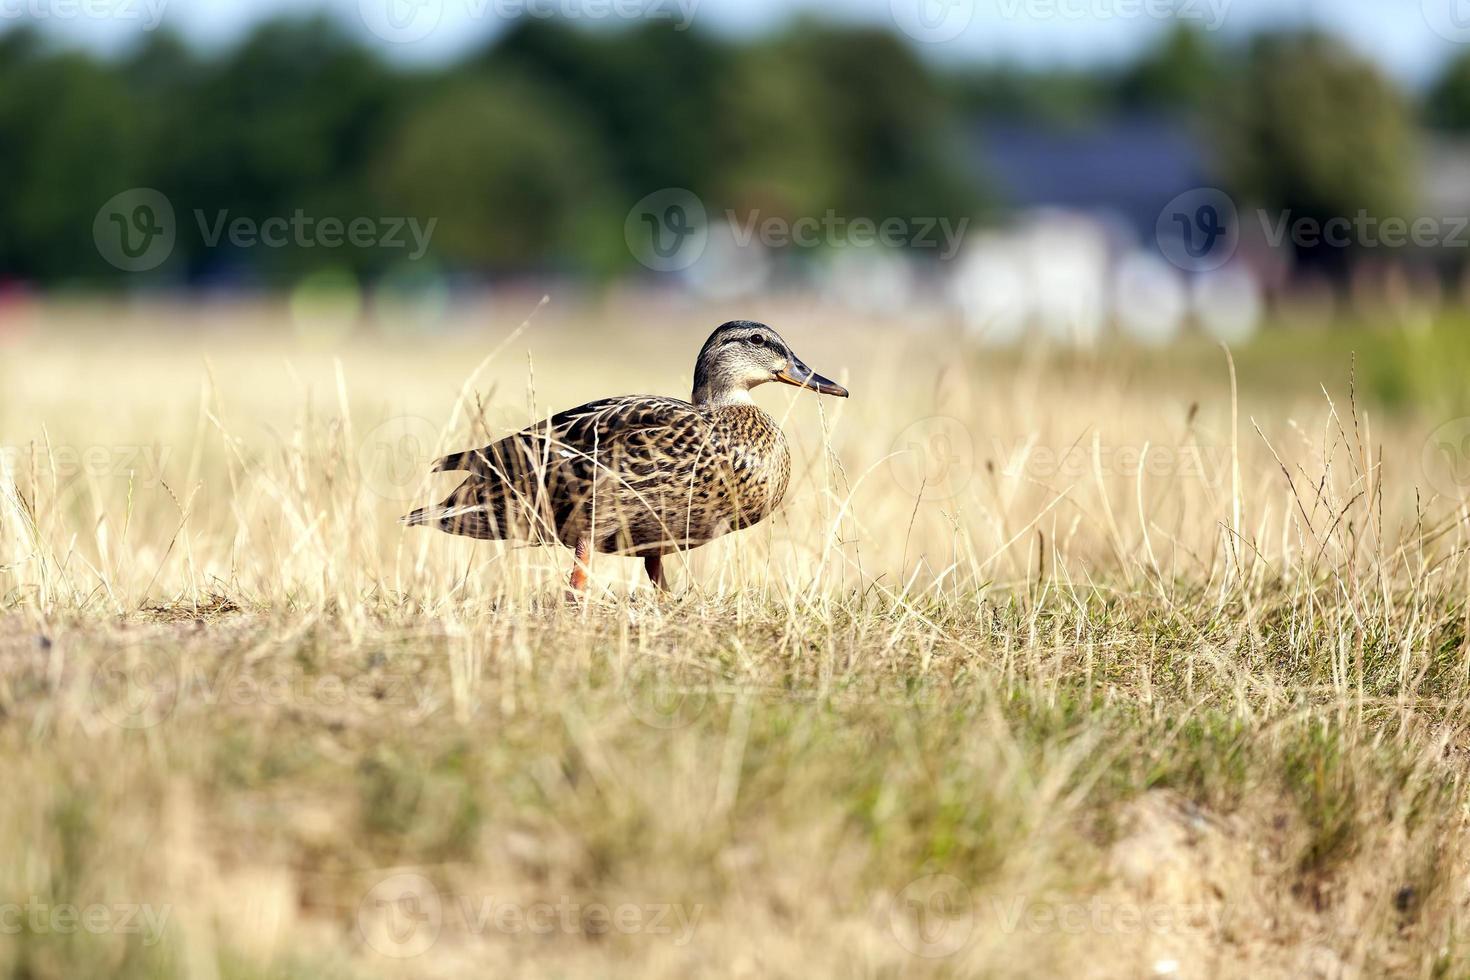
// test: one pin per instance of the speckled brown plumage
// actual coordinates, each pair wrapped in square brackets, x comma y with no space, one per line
[639,474]
[635,475]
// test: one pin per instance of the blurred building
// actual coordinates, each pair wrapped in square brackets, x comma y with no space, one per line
[1077,256]
[1121,170]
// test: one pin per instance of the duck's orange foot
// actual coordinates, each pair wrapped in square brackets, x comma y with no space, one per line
[578,583]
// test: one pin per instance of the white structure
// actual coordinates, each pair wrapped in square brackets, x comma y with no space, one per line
[1068,276]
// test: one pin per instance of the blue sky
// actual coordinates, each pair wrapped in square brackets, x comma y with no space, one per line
[1397,33]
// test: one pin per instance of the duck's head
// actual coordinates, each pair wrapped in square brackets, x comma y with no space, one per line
[742,354]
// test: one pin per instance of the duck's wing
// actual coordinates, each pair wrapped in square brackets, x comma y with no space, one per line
[533,483]
[573,439]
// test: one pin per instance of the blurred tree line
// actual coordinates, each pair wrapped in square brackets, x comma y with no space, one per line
[529,154]
[531,151]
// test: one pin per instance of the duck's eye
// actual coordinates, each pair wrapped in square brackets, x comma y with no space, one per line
[758,339]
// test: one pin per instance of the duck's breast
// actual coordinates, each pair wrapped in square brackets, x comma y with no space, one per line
[758,463]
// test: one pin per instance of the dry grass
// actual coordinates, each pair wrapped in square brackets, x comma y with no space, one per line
[986,698]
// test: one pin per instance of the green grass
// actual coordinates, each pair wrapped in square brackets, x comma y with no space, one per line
[979,735]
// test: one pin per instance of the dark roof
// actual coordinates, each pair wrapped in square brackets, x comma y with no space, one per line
[1131,165]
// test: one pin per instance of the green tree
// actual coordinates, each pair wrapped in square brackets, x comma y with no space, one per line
[1448,103]
[1184,71]
[649,94]
[529,153]
[508,172]
[843,118]
[1052,96]
[1314,129]
[71,137]
[285,121]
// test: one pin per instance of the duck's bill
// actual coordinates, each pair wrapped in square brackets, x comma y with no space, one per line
[798,374]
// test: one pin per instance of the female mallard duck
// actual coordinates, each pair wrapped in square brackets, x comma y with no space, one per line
[641,474]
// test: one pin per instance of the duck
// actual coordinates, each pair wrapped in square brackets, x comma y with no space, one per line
[638,475]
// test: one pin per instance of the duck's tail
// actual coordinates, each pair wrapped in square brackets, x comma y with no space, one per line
[449,508]
[422,515]
[472,518]
[470,459]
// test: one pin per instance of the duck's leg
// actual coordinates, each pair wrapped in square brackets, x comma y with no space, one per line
[654,566]
[579,569]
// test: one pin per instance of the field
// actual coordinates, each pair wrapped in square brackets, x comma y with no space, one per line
[1053,664]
